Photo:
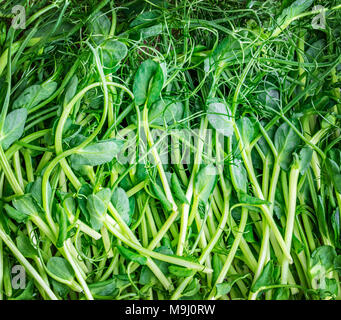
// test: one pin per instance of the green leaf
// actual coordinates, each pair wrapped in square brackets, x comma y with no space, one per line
[25,247]
[99,27]
[249,200]
[159,194]
[180,271]
[289,13]
[282,294]
[217,265]
[148,83]
[71,89]
[33,95]
[13,127]
[27,294]
[337,264]
[145,17]
[205,182]
[335,222]
[247,129]
[97,209]
[15,214]
[25,205]
[112,52]
[304,158]
[248,234]
[120,201]
[286,141]
[177,189]
[107,288]
[321,216]
[238,176]
[151,31]
[219,116]
[334,174]
[105,195]
[192,288]
[60,288]
[60,268]
[329,289]
[165,111]
[147,276]
[223,288]
[97,153]
[84,192]
[322,260]
[132,256]
[228,52]
[268,98]
[266,278]
[36,191]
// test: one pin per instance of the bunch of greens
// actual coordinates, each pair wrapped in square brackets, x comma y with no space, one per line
[181,149]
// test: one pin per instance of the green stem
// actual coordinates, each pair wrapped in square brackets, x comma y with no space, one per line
[293,178]
[213,295]
[9,173]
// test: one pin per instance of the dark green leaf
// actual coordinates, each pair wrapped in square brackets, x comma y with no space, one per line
[205,182]
[27,294]
[121,203]
[180,271]
[148,83]
[337,264]
[25,247]
[71,89]
[334,173]
[248,129]
[177,189]
[286,141]
[106,288]
[33,95]
[249,200]
[217,265]
[152,31]
[266,278]
[228,52]
[132,256]
[321,216]
[304,158]
[289,13]
[238,176]
[36,191]
[25,205]
[159,193]
[13,127]
[60,288]
[192,288]
[15,214]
